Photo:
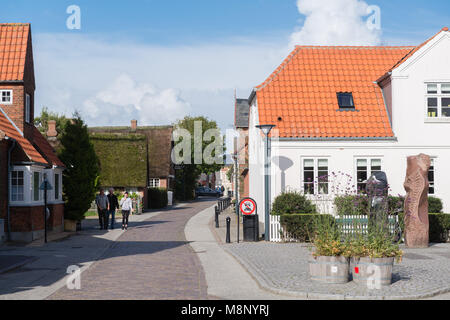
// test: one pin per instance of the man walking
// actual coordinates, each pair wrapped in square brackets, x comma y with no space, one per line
[102,208]
[113,205]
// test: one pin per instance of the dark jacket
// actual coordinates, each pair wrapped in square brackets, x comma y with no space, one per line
[113,202]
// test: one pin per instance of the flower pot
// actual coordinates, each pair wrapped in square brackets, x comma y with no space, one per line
[329,269]
[374,273]
[70,225]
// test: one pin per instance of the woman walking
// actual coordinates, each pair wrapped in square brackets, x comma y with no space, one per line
[127,207]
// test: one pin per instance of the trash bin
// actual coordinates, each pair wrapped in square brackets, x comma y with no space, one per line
[169,198]
[251,228]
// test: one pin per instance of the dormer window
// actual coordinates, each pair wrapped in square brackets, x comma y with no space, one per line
[345,100]
[438,100]
[6,96]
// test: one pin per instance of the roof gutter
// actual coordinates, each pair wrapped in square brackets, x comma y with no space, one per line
[385,76]
[339,139]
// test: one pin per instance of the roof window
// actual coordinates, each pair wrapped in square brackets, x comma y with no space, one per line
[345,100]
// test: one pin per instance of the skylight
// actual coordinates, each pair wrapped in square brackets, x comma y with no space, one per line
[345,100]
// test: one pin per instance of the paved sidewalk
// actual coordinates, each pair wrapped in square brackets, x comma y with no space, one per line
[225,276]
[46,273]
[152,260]
[284,268]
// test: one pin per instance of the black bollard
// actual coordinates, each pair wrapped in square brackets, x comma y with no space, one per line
[217,216]
[228,230]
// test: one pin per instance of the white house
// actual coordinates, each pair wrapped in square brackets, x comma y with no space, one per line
[355,110]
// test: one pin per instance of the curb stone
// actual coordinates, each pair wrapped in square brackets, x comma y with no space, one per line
[265,284]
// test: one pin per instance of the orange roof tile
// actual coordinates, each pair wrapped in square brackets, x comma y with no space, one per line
[13,50]
[7,126]
[307,83]
[45,148]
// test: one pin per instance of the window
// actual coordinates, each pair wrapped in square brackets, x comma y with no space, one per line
[431,188]
[27,108]
[154,183]
[364,169]
[438,100]
[56,186]
[6,96]
[17,186]
[345,100]
[315,176]
[36,185]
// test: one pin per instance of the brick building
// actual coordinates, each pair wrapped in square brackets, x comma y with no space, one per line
[241,114]
[26,157]
[135,158]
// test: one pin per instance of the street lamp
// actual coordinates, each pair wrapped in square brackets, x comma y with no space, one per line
[266,130]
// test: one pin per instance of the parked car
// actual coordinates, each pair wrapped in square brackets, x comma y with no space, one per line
[208,192]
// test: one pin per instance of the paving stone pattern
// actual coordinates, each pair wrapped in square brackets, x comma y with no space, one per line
[284,268]
[149,261]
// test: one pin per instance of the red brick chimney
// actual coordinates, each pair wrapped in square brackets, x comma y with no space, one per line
[52,133]
[133,125]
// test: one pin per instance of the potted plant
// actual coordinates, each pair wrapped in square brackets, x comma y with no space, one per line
[373,257]
[70,222]
[330,259]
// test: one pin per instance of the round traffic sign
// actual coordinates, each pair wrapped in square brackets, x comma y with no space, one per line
[247,206]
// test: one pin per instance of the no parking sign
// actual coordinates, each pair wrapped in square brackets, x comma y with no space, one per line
[248,206]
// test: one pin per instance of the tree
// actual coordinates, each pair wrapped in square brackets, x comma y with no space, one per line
[81,177]
[41,122]
[186,176]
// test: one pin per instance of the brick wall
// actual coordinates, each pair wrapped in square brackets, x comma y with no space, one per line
[27,219]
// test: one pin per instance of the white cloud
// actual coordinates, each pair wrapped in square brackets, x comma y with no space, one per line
[155,84]
[125,99]
[112,81]
[334,22]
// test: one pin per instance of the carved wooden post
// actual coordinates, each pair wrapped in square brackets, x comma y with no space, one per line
[416,202]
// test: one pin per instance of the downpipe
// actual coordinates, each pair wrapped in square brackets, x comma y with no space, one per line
[11,148]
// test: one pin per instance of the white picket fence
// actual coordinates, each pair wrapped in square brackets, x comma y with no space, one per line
[349,225]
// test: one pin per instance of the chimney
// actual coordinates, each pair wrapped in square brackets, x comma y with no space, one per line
[133,125]
[52,133]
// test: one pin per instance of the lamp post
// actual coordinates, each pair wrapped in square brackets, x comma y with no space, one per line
[235,156]
[266,130]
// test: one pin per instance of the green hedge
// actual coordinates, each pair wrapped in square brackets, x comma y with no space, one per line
[301,226]
[158,198]
[439,226]
[359,204]
[292,203]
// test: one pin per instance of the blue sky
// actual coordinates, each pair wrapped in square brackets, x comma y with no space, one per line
[171,58]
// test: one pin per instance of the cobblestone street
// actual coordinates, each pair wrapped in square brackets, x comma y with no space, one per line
[284,268]
[149,261]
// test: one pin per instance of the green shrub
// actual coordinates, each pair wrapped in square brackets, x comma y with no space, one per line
[359,205]
[439,226]
[158,198]
[292,203]
[352,205]
[435,205]
[302,226]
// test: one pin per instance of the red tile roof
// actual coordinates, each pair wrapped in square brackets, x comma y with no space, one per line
[300,96]
[46,149]
[13,50]
[6,125]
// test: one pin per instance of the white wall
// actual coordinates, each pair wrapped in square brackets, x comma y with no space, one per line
[414,132]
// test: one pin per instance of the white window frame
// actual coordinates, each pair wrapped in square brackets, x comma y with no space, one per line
[23,186]
[316,175]
[27,108]
[434,162]
[1,97]
[368,167]
[439,95]
[152,183]
[40,192]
